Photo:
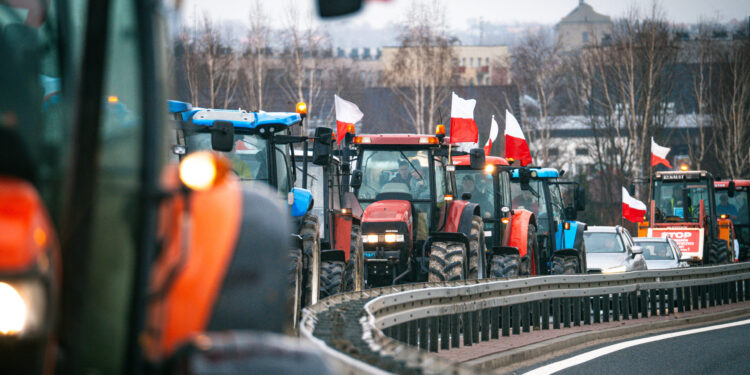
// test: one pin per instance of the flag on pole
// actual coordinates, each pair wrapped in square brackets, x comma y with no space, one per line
[632,209]
[347,113]
[659,154]
[463,128]
[516,147]
[494,129]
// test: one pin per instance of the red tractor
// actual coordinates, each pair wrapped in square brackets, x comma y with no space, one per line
[412,228]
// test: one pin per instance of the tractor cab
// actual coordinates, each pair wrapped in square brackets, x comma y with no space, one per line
[560,236]
[683,207]
[732,204]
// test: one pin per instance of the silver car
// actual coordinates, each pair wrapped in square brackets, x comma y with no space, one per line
[612,250]
[660,253]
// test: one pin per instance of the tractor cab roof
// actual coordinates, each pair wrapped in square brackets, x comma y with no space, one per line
[540,173]
[464,160]
[274,121]
[725,183]
[396,140]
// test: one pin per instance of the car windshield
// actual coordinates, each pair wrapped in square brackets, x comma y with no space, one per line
[480,186]
[249,156]
[394,171]
[668,197]
[656,250]
[602,242]
[735,207]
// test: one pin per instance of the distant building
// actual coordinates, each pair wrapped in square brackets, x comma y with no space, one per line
[581,27]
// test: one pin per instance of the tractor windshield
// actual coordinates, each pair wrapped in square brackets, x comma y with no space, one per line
[249,156]
[735,207]
[674,206]
[395,171]
[479,185]
[536,203]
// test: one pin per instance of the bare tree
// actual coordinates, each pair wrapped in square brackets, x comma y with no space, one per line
[422,67]
[254,62]
[732,111]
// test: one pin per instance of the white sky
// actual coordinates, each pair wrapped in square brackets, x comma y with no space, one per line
[463,14]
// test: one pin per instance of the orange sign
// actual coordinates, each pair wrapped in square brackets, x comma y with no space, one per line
[689,240]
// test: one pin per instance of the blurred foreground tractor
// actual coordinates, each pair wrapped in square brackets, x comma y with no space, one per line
[340,233]
[683,207]
[510,235]
[412,228]
[560,236]
[732,204]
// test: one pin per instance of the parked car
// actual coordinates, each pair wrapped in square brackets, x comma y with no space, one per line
[661,253]
[612,250]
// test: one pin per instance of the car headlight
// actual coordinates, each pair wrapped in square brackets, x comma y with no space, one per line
[386,238]
[22,307]
[618,269]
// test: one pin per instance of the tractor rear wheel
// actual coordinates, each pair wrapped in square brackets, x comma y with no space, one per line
[564,265]
[718,252]
[446,261]
[356,249]
[294,288]
[310,233]
[331,278]
[532,249]
[476,247]
[506,265]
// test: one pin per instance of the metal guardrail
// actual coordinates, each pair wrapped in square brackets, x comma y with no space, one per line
[395,329]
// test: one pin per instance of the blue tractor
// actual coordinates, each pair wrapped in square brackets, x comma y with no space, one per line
[260,148]
[560,236]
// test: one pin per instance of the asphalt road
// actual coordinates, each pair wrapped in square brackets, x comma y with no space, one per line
[721,351]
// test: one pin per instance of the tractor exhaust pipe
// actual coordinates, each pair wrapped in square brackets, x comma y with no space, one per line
[401,276]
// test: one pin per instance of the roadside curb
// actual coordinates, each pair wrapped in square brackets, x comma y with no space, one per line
[513,359]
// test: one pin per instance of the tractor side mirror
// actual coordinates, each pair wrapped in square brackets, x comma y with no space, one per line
[580,199]
[322,146]
[476,158]
[571,213]
[222,136]
[335,8]
[732,189]
[524,176]
[356,179]
[465,196]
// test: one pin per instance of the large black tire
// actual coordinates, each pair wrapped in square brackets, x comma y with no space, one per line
[532,248]
[505,265]
[476,246]
[446,261]
[564,265]
[310,233]
[331,278]
[718,252]
[356,248]
[294,289]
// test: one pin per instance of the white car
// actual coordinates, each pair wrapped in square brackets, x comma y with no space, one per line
[661,253]
[612,250]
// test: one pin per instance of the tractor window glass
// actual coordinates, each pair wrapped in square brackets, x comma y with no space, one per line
[393,171]
[282,171]
[505,188]
[677,201]
[556,202]
[441,187]
[249,157]
[735,208]
[533,200]
[480,186]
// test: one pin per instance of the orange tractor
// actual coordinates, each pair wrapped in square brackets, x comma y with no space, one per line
[732,204]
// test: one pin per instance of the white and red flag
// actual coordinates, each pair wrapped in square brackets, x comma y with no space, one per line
[632,209]
[494,129]
[516,147]
[347,113]
[463,128]
[659,154]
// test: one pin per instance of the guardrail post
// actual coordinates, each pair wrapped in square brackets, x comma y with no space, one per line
[597,309]
[412,332]
[545,314]
[505,314]
[635,302]
[671,299]
[586,307]
[556,313]
[566,312]
[403,333]
[455,332]
[695,292]
[475,325]
[652,292]
[423,333]
[733,291]
[606,308]
[711,295]
[468,329]
[615,307]
[687,298]
[445,332]
[515,311]
[525,316]
[625,306]
[747,289]
[577,302]
[535,316]
[485,324]
[495,315]
[727,292]
[680,300]
[662,302]
[434,323]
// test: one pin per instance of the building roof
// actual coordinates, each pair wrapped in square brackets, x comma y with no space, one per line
[584,13]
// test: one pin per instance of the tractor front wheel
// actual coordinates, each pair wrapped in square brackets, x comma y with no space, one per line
[564,265]
[356,249]
[718,252]
[294,288]
[528,264]
[331,278]
[507,265]
[476,247]
[310,233]
[446,261]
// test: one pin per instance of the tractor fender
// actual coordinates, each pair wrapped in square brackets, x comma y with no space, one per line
[460,215]
[302,203]
[504,250]
[519,229]
[342,233]
[332,255]
[571,238]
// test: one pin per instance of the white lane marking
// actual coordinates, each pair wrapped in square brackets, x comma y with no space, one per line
[585,357]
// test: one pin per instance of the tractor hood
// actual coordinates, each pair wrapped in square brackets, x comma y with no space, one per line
[388,211]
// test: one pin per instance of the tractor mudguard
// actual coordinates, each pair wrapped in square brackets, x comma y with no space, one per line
[519,228]
[467,216]
[571,238]
[332,255]
[303,202]
[505,250]
[342,236]
[460,216]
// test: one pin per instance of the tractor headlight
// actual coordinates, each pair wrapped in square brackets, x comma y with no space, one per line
[383,238]
[22,307]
